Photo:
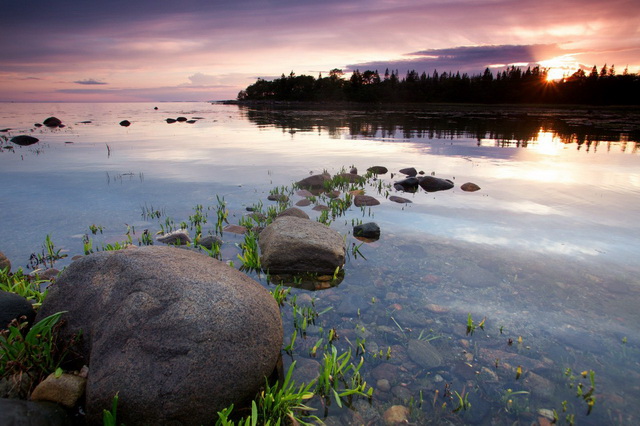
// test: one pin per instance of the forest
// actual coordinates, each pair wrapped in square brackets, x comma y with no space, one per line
[513,85]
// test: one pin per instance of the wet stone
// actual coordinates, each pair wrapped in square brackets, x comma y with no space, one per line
[399,200]
[365,200]
[424,354]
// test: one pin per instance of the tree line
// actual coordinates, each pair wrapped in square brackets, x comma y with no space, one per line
[513,85]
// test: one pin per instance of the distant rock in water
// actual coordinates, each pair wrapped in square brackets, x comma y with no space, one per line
[170,120]
[191,121]
[24,140]
[400,200]
[155,108]
[409,184]
[409,171]
[125,123]
[353,171]
[365,200]
[180,237]
[314,181]
[181,119]
[469,187]
[378,170]
[52,122]
[38,125]
[433,184]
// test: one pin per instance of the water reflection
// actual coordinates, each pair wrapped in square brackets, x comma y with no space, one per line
[489,126]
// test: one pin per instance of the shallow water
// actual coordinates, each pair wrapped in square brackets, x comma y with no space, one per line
[546,250]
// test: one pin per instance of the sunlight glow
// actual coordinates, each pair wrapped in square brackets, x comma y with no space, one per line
[560,67]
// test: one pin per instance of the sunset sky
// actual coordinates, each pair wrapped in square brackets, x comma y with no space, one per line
[159,50]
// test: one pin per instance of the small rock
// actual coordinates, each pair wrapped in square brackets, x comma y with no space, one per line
[293,211]
[396,414]
[235,229]
[320,208]
[181,119]
[191,121]
[24,140]
[125,123]
[353,170]
[409,184]
[65,390]
[367,230]
[209,240]
[313,182]
[424,354]
[4,262]
[409,171]
[52,122]
[180,237]
[365,200]
[303,203]
[170,120]
[469,187]
[349,177]
[400,200]
[378,170]
[383,385]
[281,198]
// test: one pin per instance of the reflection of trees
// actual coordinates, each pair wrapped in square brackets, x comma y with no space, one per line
[508,127]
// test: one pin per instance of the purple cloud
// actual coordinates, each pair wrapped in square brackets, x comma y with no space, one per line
[89,81]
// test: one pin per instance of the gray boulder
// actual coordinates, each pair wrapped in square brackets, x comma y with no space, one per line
[294,245]
[178,334]
[14,306]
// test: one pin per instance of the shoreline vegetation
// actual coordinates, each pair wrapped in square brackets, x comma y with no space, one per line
[512,86]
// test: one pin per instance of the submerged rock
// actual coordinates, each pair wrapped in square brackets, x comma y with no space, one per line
[400,200]
[424,354]
[178,334]
[24,140]
[369,230]
[433,184]
[292,245]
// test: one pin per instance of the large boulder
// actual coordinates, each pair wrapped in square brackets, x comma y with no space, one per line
[292,245]
[16,412]
[177,334]
[13,306]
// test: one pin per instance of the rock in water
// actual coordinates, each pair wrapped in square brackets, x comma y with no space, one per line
[52,122]
[314,181]
[469,187]
[409,184]
[292,245]
[378,170]
[294,211]
[424,354]
[409,171]
[179,237]
[125,123]
[24,140]
[365,200]
[367,230]
[178,334]
[433,184]
[5,262]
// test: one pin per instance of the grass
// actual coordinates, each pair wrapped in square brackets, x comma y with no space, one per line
[24,285]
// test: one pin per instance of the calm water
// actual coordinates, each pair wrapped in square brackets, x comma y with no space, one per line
[547,250]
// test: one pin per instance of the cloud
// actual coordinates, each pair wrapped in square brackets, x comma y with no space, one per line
[469,59]
[89,81]
[200,79]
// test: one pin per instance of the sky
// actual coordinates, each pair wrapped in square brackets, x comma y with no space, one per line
[199,50]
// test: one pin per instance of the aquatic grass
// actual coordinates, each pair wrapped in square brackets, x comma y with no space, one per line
[109,417]
[281,403]
[96,228]
[23,285]
[150,212]
[250,256]
[47,257]
[340,379]
[471,325]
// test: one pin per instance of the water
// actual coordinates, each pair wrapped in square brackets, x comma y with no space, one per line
[546,250]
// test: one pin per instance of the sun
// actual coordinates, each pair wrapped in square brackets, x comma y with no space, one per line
[559,67]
